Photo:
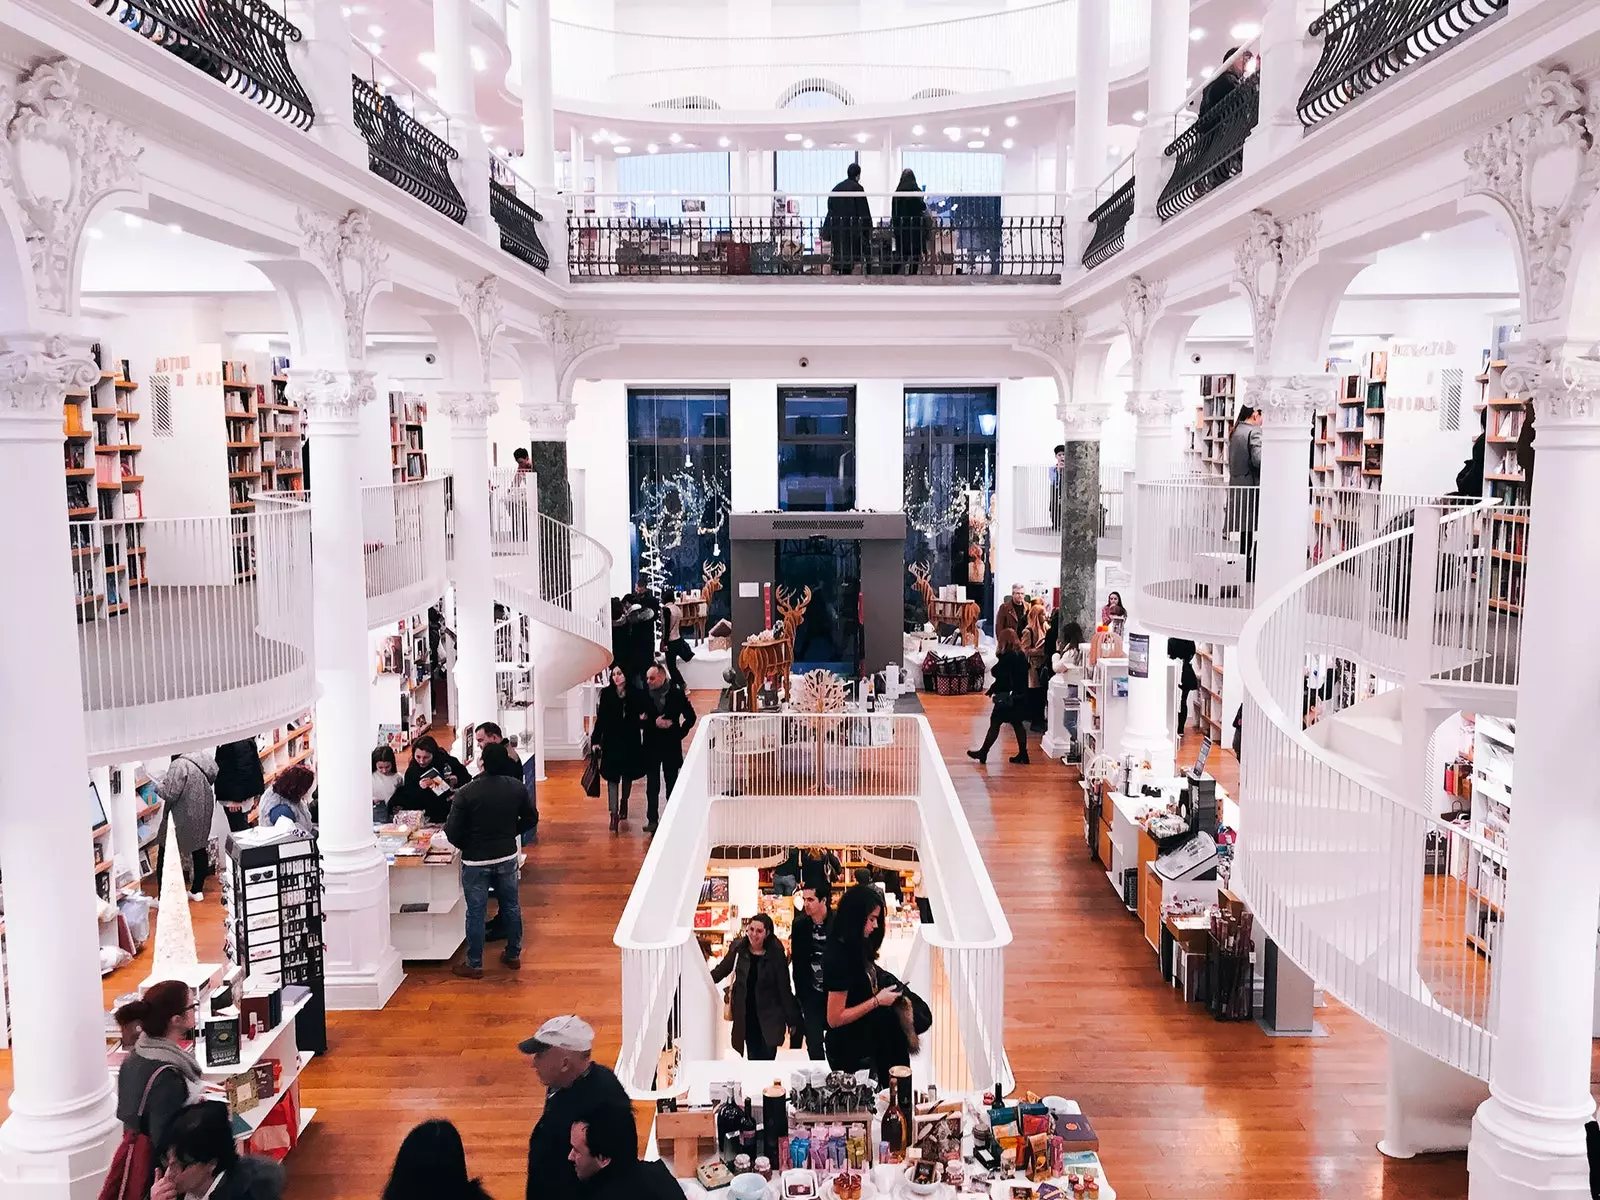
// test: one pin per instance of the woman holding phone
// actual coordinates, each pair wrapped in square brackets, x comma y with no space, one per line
[863,1029]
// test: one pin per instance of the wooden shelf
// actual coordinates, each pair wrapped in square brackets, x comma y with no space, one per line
[1508,556]
[79,472]
[1507,478]
[1503,402]
[244,445]
[126,385]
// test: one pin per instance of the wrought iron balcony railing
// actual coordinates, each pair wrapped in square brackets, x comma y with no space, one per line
[1366,42]
[965,237]
[1110,222]
[241,43]
[518,221]
[406,152]
[1211,150]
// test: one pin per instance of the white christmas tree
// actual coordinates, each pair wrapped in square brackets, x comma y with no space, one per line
[651,568]
[174,930]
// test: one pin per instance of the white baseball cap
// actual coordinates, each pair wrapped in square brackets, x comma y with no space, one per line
[560,1033]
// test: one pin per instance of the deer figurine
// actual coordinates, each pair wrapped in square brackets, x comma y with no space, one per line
[792,609]
[920,581]
[711,581]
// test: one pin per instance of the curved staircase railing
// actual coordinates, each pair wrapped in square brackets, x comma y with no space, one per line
[553,572]
[1391,909]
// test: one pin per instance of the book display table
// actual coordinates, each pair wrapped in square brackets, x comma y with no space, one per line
[427,910]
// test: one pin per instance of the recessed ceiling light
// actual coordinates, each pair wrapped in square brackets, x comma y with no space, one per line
[840,145]
[345,10]
[862,138]
[953,132]
[429,61]
[1426,234]
[1197,34]
[723,142]
[386,81]
[1138,114]
[500,150]
[691,145]
[975,144]
[674,138]
[984,131]
[375,31]
[1007,144]
[488,134]
[808,143]
[480,61]
[97,233]
[1207,72]
[598,137]
[651,148]
[374,47]
[174,227]
[622,149]
[1244,31]
[917,131]
[793,137]
[131,221]
[1011,122]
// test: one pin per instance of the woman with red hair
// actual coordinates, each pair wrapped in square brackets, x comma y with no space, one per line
[290,796]
[160,1077]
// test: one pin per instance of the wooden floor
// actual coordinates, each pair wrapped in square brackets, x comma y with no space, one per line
[1186,1108]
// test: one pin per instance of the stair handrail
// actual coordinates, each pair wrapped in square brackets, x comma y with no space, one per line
[548,568]
[1291,785]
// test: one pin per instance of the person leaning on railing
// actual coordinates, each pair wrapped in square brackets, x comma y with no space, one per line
[908,218]
[848,226]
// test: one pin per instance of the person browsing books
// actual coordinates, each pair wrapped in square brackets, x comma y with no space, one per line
[430,778]
[577,1089]
[484,823]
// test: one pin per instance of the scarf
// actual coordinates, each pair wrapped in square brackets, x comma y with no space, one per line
[659,696]
[168,1053]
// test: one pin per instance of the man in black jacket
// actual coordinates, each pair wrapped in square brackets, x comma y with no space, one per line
[577,1089]
[666,717]
[605,1156]
[848,225]
[807,939]
[484,823]
[199,1157]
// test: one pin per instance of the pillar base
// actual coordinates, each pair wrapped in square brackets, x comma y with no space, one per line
[1515,1155]
[59,1156]
[362,967]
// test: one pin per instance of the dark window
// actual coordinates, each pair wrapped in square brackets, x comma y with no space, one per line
[816,449]
[829,636]
[679,479]
[949,490]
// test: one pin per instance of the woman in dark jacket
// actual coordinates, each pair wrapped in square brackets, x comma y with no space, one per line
[159,1074]
[240,781]
[864,1026]
[432,1165]
[908,216]
[1009,691]
[411,795]
[761,999]
[616,736]
[1184,651]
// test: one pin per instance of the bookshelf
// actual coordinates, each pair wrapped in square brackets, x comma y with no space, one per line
[1505,535]
[1219,405]
[104,491]
[1493,749]
[402,686]
[408,456]
[287,745]
[280,431]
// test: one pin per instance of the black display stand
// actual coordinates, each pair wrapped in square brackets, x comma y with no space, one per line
[277,924]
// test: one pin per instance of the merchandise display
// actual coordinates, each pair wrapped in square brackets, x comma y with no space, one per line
[104,479]
[402,683]
[272,897]
[427,921]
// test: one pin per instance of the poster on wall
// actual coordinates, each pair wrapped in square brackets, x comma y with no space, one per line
[1139,655]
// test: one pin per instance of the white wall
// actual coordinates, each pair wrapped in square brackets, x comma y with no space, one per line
[753,431]
[1025,435]
[597,444]
[880,444]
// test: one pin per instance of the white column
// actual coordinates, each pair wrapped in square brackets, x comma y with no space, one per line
[362,967]
[1065,183]
[1169,56]
[1527,1138]
[538,106]
[469,413]
[452,42]
[58,1139]
[1287,406]
[1293,53]
[575,153]
[1092,103]
[1146,733]
[324,61]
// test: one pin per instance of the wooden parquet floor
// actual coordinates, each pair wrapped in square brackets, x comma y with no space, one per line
[1186,1108]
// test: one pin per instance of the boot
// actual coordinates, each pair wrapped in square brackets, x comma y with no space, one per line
[979,757]
[614,820]
[1020,759]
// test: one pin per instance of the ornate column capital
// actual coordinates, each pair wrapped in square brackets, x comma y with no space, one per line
[1056,336]
[480,305]
[354,262]
[1155,409]
[469,410]
[1142,304]
[1560,379]
[570,338]
[58,158]
[330,396]
[1288,402]
[36,370]
[548,420]
[1542,164]
[1081,422]
[1265,260]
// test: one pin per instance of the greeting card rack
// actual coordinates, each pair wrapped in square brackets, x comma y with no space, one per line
[275,906]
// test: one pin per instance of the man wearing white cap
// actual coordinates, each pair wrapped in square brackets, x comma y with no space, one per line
[577,1088]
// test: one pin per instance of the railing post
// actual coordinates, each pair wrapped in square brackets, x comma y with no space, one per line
[324,60]
[1289,54]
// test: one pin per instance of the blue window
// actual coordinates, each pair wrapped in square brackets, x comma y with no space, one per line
[949,490]
[816,449]
[679,475]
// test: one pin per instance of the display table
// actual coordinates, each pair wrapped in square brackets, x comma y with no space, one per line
[1063,701]
[1221,570]
[427,909]
[911,661]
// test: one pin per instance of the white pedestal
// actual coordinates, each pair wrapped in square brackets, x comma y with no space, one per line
[427,911]
[363,969]
[1062,707]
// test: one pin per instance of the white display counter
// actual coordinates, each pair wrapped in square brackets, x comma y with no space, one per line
[427,910]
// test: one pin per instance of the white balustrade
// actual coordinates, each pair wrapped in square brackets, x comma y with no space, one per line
[1194,552]
[1016,48]
[550,570]
[197,630]
[882,782]
[1037,505]
[404,548]
[1383,903]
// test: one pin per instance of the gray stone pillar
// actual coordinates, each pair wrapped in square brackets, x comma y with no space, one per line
[1077,496]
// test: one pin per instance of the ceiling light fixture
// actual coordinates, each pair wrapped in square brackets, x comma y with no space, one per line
[674,138]
[131,221]
[386,81]
[917,131]
[975,144]
[793,137]
[598,137]
[375,31]
[1138,114]
[1244,31]
[1011,122]
[651,148]
[345,10]
[1008,144]
[1426,234]
[97,233]
[174,227]
[691,145]
[723,142]
[1197,35]
[984,131]
[862,138]
[374,48]
[807,144]
[1207,72]
[622,149]
[840,145]
[953,132]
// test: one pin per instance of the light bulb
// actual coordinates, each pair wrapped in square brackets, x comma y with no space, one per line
[1197,35]
[916,131]
[723,142]
[674,138]
[1011,122]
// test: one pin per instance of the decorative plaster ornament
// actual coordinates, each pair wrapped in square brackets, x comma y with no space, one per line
[548,420]
[174,929]
[1082,421]
[1154,407]
[1563,384]
[818,691]
[36,372]
[469,410]
[1543,166]
[1055,335]
[1142,304]
[353,260]
[1265,261]
[570,339]
[60,158]
[330,395]
[1290,401]
[480,305]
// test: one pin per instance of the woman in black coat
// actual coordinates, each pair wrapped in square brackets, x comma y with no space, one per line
[410,795]
[1009,692]
[616,736]
[908,217]
[761,999]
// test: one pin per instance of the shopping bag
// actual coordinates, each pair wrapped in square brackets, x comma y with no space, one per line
[591,775]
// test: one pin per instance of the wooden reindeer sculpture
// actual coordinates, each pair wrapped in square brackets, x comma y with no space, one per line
[711,581]
[920,581]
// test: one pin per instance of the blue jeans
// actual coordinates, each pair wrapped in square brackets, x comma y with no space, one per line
[476,883]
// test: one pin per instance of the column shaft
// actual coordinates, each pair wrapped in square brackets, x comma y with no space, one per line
[474,571]
[1283,505]
[538,106]
[1092,95]
[1081,515]
[1169,59]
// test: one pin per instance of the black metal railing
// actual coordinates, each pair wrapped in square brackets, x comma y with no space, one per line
[1366,42]
[1110,222]
[518,220]
[972,242]
[241,43]
[1211,150]
[406,152]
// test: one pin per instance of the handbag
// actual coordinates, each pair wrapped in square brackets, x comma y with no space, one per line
[133,1165]
[1003,699]
[591,774]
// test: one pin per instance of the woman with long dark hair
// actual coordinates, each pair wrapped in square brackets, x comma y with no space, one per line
[761,999]
[908,218]
[290,796]
[863,1030]
[616,737]
[1009,693]
[432,1165]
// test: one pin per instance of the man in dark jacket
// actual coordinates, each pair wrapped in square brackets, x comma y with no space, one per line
[666,716]
[199,1157]
[808,938]
[605,1157]
[848,225]
[577,1089]
[484,823]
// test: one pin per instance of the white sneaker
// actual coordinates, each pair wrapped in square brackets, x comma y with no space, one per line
[197,897]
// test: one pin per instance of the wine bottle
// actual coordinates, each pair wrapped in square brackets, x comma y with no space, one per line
[747,1131]
[728,1122]
[896,1127]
